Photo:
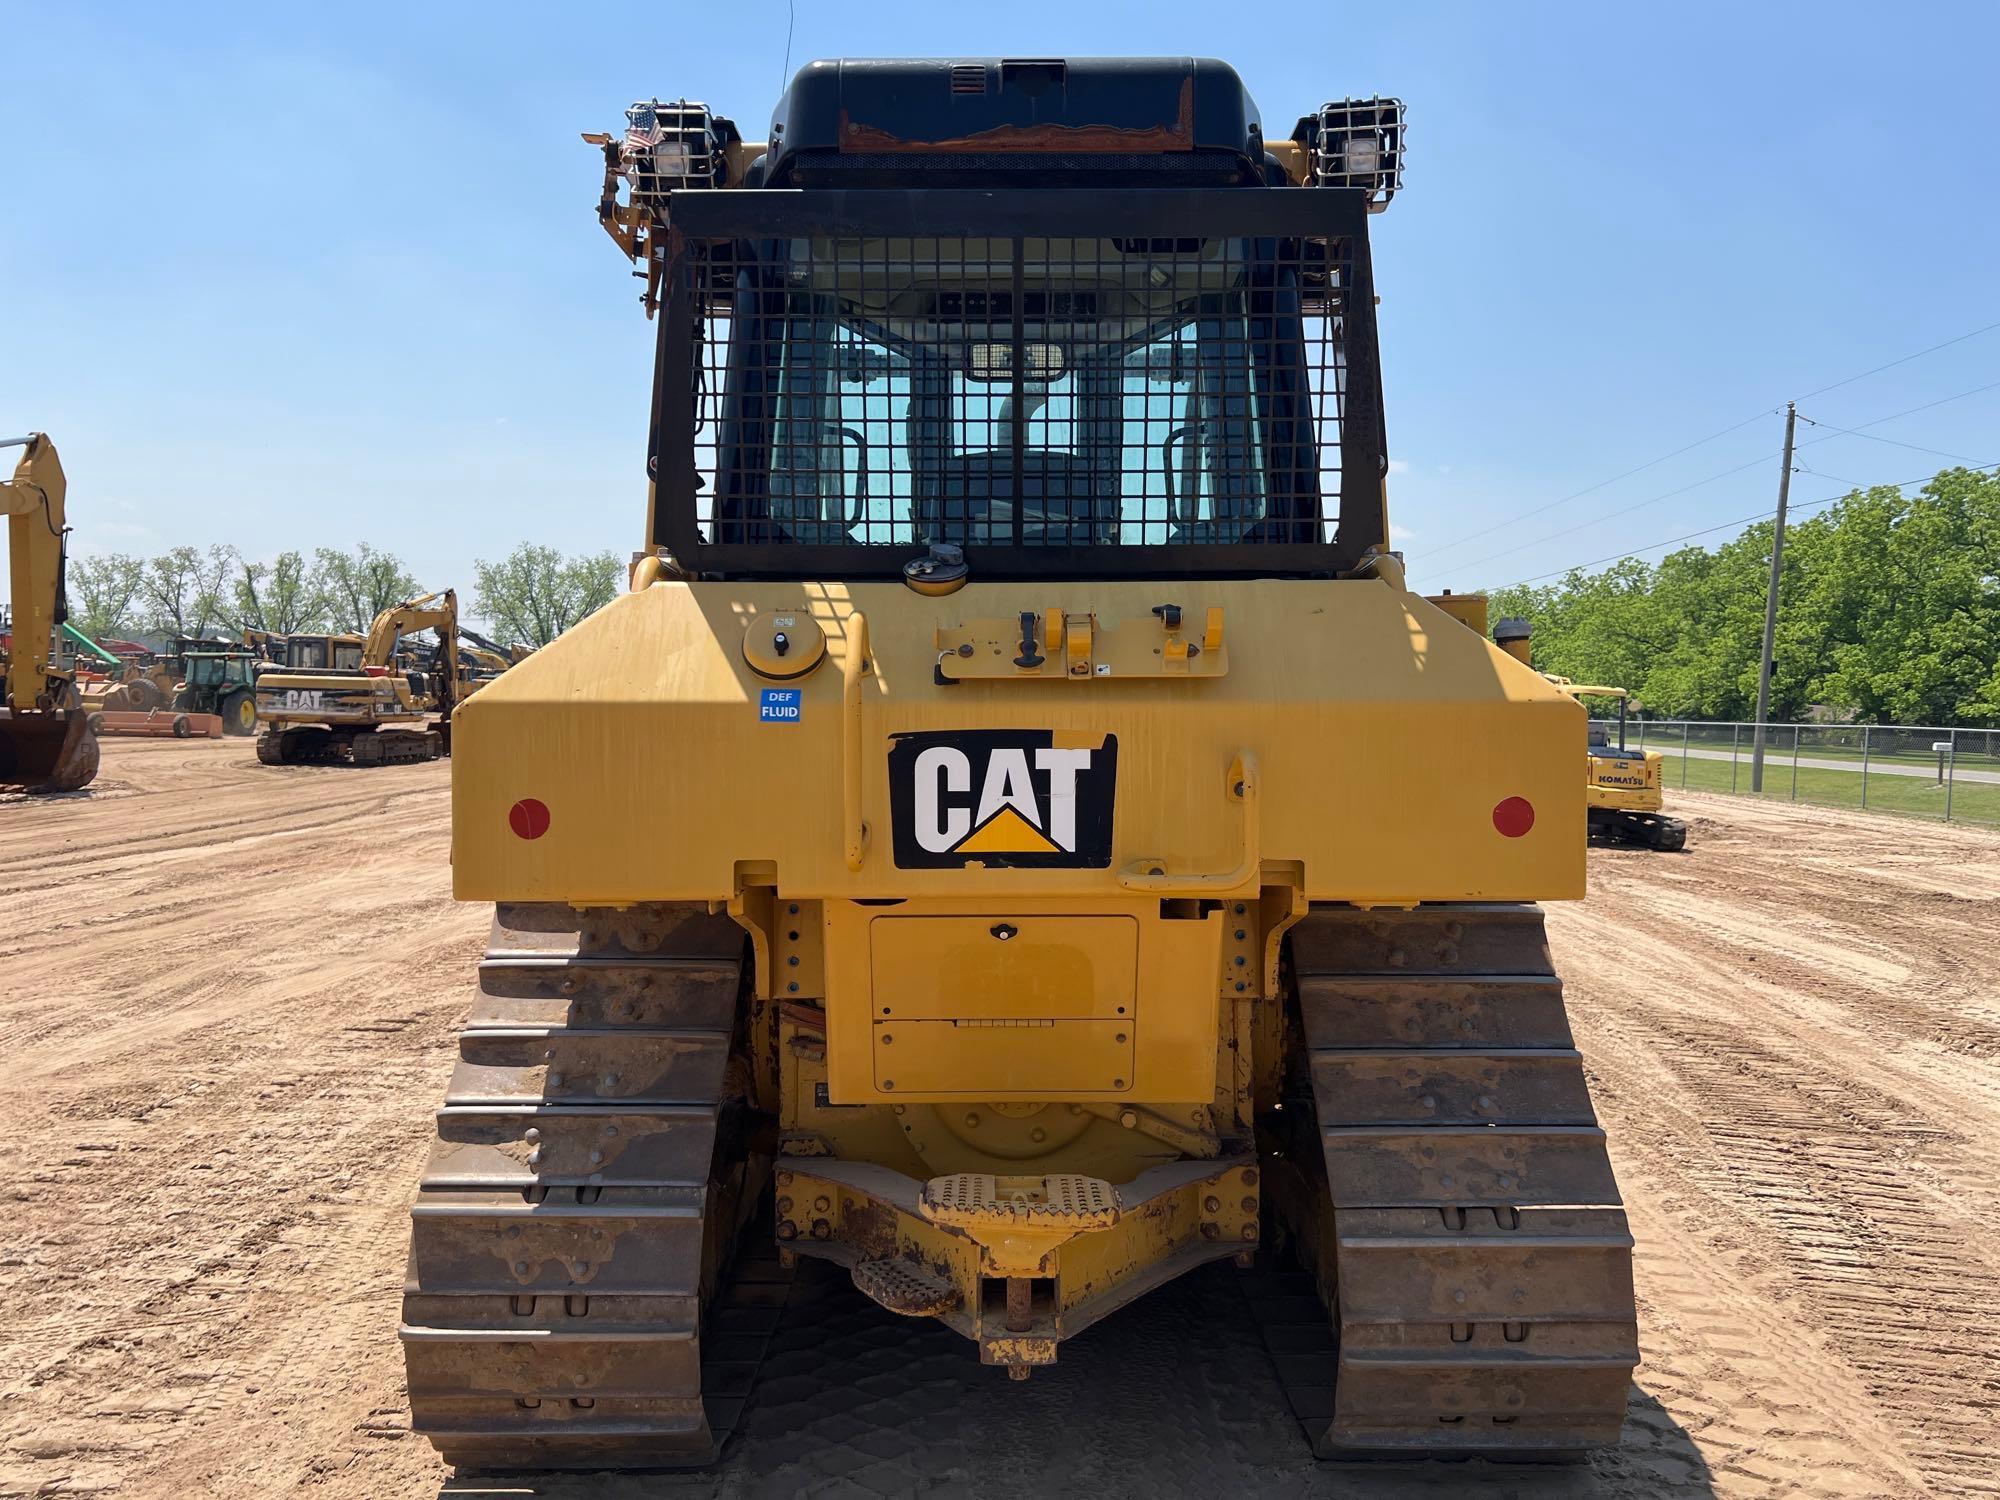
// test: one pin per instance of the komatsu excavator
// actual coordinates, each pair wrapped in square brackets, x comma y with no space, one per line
[46,742]
[371,714]
[1624,789]
[1625,793]
[1019,839]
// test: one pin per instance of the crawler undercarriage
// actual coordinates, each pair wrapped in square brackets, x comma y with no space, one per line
[619,1120]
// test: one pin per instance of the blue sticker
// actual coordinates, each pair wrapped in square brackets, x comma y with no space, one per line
[780,705]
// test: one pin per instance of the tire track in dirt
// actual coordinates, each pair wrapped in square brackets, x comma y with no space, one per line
[241,1017]
[1764,1039]
[199,1259]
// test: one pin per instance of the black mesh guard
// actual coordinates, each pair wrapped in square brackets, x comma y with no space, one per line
[1064,384]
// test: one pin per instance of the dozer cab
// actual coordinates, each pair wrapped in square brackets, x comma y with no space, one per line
[1019,839]
[46,742]
[372,713]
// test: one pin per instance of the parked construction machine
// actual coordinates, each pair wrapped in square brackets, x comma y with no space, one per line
[1623,788]
[1624,792]
[1019,839]
[481,660]
[307,651]
[373,713]
[222,683]
[46,742]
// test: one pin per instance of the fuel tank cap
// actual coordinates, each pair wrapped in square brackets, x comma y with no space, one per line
[784,645]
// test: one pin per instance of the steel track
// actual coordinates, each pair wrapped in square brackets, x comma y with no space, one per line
[1450,1195]
[566,1307]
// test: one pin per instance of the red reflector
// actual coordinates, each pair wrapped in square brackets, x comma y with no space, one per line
[376,671]
[529,818]
[1514,816]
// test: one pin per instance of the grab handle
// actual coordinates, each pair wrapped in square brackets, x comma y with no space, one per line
[852,665]
[1155,877]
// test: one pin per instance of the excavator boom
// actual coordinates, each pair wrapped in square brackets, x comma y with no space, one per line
[45,739]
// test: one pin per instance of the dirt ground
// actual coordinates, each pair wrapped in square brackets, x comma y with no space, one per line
[229,1002]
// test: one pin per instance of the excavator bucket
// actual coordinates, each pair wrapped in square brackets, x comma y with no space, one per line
[47,752]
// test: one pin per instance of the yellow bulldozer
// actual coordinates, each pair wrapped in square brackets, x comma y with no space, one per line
[1019,839]
[373,713]
[46,742]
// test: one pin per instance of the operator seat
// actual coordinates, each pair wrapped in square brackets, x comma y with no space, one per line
[1065,500]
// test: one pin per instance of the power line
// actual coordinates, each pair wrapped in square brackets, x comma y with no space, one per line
[1724,432]
[1746,521]
[1592,489]
[1872,437]
[1912,411]
[1832,432]
[1615,515]
[1903,361]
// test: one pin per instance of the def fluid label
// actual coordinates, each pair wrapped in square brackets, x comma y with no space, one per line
[780,705]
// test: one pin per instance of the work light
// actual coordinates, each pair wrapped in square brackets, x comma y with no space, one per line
[1358,143]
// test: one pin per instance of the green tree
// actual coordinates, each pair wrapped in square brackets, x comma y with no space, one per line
[280,596]
[535,593]
[357,586]
[1888,609]
[183,590]
[104,594]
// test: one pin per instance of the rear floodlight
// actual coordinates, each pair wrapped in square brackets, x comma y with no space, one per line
[1358,143]
[668,147]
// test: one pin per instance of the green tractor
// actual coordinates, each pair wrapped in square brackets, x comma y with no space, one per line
[221,683]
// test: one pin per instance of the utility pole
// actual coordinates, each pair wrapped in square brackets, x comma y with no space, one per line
[1771,605]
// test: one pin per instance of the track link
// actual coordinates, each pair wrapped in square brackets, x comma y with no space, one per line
[1650,830]
[1463,1222]
[314,745]
[590,1176]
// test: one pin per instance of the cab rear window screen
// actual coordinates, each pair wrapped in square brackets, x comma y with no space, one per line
[1027,394]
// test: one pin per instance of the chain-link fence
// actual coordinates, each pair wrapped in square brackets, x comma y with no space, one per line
[1951,774]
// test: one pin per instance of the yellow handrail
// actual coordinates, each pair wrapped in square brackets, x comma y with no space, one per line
[852,665]
[1152,875]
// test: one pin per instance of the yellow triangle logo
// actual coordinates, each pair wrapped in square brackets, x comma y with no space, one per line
[1006,832]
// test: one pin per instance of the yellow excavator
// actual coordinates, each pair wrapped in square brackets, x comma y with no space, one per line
[370,714]
[479,666]
[1624,789]
[483,660]
[1624,793]
[305,651]
[1019,839]
[46,742]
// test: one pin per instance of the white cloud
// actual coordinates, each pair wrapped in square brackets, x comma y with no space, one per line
[1399,466]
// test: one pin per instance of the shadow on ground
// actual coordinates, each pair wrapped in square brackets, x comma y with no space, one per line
[1174,1396]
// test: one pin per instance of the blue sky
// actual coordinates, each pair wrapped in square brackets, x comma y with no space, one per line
[308,275]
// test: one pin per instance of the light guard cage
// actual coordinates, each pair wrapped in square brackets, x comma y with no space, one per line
[1065,384]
